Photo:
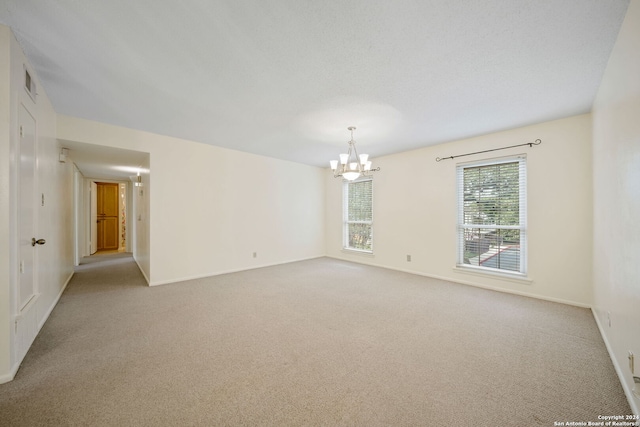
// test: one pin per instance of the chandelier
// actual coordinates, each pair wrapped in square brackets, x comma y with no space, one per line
[351,165]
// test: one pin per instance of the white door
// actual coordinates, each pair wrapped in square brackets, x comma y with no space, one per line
[94,217]
[27,196]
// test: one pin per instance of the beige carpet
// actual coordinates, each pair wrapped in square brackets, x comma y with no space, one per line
[320,342]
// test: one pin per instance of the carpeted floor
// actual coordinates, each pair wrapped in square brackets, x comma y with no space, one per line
[292,345]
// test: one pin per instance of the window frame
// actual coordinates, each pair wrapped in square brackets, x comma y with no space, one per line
[521,159]
[345,216]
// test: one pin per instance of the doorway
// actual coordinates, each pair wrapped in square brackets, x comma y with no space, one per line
[108,217]
[101,164]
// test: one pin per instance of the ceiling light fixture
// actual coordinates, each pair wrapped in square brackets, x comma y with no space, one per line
[351,165]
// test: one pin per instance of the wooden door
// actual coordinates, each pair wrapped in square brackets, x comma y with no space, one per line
[107,216]
[93,191]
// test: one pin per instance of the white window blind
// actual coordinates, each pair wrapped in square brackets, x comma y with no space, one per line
[492,215]
[358,215]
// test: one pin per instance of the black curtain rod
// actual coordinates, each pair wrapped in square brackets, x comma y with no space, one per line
[530,144]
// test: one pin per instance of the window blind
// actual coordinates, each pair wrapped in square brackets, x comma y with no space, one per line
[492,214]
[358,215]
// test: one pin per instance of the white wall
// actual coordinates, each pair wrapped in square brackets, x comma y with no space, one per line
[616,176]
[415,210]
[210,208]
[53,220]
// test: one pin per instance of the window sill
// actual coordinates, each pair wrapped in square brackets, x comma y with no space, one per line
[357,252]
[511,277]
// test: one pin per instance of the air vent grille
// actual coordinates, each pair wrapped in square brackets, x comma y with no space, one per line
[29,84]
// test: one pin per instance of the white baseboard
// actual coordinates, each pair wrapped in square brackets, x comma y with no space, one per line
[218,273]
[14,369]
[627,392]
[55,302]
[10,375]
[142,271]
[464,282]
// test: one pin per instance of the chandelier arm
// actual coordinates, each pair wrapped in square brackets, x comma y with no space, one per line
[352,143]
[345,167]
[366,173]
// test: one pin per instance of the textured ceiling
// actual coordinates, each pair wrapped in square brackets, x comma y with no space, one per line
[285,78]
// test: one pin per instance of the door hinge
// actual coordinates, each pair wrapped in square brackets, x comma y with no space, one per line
[21,132]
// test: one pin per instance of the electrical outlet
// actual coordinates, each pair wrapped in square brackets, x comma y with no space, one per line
[408,258]
[255,254]
[609,318]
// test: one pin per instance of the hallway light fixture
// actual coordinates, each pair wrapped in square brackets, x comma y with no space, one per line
[352,165]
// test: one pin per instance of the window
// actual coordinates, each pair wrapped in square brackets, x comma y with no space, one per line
[492,215]
[358,215]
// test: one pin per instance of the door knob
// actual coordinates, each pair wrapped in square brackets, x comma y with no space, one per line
[37,242]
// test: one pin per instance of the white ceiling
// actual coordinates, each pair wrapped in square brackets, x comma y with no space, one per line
[285,78]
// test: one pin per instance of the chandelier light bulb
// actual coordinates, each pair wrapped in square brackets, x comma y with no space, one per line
[364,158]
[344,158]
[334,164]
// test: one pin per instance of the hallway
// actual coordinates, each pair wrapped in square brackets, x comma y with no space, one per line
[105,272]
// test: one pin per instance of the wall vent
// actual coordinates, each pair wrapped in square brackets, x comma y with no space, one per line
[29,84]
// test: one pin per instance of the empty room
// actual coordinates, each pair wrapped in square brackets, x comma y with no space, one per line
[295,213]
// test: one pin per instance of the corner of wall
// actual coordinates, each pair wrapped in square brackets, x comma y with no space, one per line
[616,203]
